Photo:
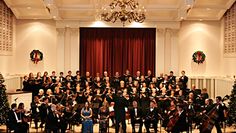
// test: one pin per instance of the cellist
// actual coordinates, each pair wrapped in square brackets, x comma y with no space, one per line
[181,124]
[220,108]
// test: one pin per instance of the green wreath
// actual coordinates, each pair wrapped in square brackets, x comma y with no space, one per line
[36,56]
[199,57]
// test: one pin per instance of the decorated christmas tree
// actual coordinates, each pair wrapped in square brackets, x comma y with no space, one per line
[4,106]
[232,105]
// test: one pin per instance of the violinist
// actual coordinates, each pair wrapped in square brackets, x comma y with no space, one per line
[43,111]
[13,121]
[21,113]
[52,120]
[64,114]
[151,117]
[35,110]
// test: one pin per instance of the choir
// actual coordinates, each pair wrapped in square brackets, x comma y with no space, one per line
[65,100]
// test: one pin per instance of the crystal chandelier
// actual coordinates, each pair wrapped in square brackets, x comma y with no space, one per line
[123,10]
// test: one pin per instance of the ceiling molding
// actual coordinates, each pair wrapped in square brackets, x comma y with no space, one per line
[87,10]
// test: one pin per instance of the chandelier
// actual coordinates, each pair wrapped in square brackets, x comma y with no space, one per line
[123,10]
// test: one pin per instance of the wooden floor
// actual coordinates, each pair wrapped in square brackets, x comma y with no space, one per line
[77,129]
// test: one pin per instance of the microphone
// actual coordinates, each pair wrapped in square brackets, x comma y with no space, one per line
[15,99]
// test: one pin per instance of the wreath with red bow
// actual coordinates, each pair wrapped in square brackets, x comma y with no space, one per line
[36,56]
[199,57]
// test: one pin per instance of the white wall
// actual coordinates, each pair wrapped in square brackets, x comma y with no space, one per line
[228,63]
[200,35]
[192,35]
[30,35]
[35,34]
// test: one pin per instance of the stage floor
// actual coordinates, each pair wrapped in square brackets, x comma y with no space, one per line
[77,129]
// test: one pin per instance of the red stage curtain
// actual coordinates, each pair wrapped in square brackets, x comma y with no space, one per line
[117,49]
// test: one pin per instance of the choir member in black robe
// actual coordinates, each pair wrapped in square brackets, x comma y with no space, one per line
[183,80]
[149,77]
[172,78]
[53,77]
[116,81]
[26,84]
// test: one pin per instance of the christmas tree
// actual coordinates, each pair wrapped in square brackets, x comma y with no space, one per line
[4,105]
[232,105]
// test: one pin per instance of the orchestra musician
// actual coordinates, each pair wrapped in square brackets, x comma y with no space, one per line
[35,110]
[220,109]
[138,90]
[52,120]
[23,116]
[136,117]
[169,112]
[13,121]
[43,111]
[151,117]
[180,120]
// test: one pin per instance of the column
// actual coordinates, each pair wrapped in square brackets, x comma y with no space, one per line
[60,50]
[167,54]
[74,49]
[67,49]
[160,49]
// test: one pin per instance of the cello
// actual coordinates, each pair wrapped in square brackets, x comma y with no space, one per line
[173,119]
[210,118]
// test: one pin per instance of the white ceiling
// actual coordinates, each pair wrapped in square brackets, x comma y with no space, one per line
[86,10]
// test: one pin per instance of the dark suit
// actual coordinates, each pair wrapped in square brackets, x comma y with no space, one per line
[43,113]
[220,110]
[181,124]
[183,80]
[51,122]
[151,118]
[136,117]
[172,80]
[119,109]
[12,123]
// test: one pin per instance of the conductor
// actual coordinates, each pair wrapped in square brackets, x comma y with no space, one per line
[119,110]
